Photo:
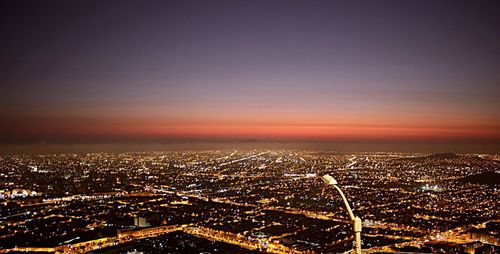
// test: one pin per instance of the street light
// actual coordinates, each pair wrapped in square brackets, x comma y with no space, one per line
[356,220]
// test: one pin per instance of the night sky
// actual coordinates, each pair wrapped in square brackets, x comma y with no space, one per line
[161,71]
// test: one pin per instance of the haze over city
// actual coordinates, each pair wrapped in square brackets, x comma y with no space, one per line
[161,72]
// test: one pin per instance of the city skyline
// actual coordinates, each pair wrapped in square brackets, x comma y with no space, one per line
[231,71]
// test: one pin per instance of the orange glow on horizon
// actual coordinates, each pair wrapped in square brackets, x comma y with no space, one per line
[248,128]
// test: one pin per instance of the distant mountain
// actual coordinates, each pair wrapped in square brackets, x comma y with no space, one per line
[489,178]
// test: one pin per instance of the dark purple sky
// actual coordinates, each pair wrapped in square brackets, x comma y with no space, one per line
[119,71]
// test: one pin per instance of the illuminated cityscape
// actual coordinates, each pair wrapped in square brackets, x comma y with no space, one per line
[233,201]
[249,126]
